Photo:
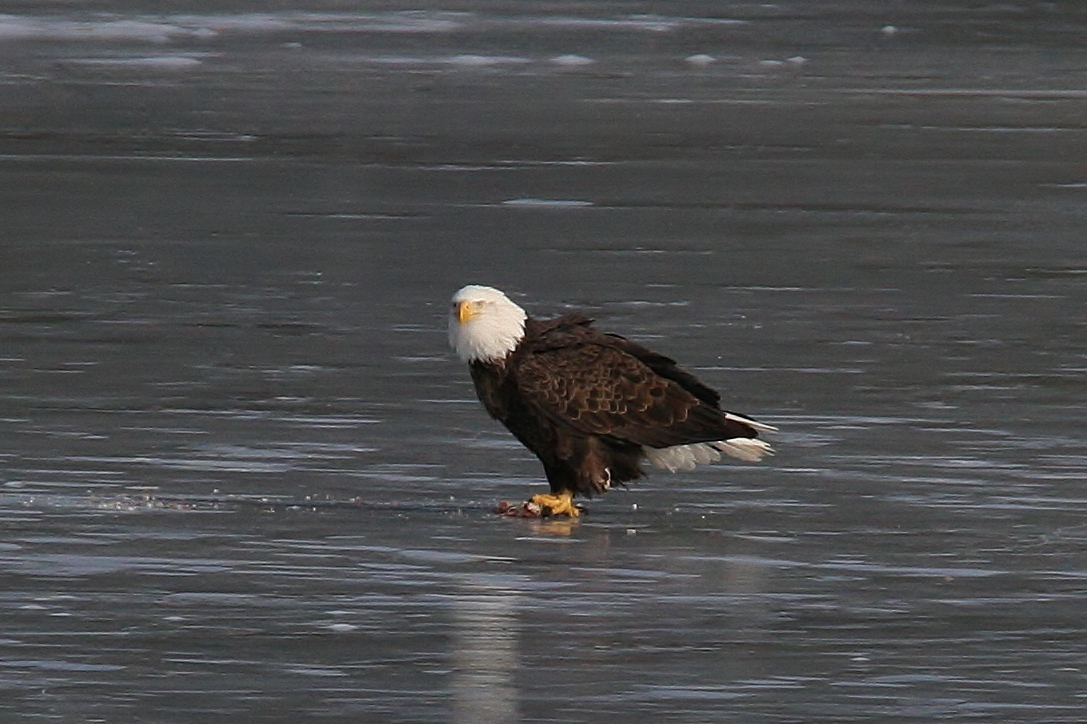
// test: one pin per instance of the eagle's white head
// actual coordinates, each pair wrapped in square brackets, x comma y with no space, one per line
[484,325]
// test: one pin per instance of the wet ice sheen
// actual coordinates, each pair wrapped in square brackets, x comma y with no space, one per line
[242,478]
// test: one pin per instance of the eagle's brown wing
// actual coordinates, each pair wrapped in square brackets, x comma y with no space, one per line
[596,386]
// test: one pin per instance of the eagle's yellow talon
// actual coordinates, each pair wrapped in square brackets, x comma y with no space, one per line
[561,504]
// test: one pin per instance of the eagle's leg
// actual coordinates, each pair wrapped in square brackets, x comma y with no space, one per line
[561,503]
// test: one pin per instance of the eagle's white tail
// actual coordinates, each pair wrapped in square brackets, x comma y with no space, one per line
[686,457]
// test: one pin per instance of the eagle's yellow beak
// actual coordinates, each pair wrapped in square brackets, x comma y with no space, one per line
[466,311]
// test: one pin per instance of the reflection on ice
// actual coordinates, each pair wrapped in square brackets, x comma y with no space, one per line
[484,653]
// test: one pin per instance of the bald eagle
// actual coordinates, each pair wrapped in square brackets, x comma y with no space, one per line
[591,406]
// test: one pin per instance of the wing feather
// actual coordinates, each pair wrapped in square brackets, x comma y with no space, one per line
[594,384]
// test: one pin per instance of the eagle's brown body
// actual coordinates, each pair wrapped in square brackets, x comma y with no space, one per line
[590,404]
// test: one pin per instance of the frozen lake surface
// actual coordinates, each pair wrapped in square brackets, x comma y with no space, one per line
[243,478]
